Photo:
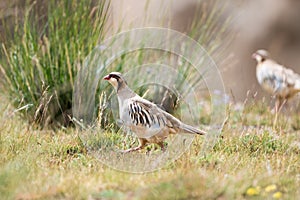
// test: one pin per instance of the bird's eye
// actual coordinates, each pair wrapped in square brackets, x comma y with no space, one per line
[114,76]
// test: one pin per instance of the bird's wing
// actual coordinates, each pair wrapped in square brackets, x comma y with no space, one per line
[145,113]
[292,78]
[278,76]
[165,119]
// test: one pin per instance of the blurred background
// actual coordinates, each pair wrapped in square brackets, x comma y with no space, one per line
[256,24]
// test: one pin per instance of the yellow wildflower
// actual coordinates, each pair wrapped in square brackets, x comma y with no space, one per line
[271,188]
[252,191]
[277,195]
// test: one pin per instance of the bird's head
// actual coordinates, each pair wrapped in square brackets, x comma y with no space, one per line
[261,55]
[116,79]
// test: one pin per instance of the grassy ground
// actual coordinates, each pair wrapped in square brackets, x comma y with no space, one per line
[252,161]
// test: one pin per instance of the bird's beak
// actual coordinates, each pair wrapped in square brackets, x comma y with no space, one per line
[106,77]
[254,56]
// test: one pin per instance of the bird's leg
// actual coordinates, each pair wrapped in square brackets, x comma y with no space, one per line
[142,143]
[277,103]
[162,146]
[281,105]
[278,106]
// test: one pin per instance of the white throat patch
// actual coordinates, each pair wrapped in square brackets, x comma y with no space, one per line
[114,82]
[258,58]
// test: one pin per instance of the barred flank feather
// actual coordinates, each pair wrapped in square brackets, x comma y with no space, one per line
[141,116]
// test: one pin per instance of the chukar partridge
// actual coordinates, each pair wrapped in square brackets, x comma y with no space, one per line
[276,79]
[150,123]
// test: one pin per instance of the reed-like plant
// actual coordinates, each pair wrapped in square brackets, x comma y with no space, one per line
[45,52]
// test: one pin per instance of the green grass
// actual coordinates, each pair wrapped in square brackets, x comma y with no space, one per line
[244,164]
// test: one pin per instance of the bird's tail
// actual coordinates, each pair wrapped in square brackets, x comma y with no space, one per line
[191,129]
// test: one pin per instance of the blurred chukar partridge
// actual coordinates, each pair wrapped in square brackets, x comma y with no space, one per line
[150,123]
[281,82]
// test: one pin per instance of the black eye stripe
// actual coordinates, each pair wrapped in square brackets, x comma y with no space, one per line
[114,76]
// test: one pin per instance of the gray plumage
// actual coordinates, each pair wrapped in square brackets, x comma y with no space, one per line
[150,123]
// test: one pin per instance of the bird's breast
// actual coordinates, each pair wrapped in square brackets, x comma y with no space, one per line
[124,112]
[261,74]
